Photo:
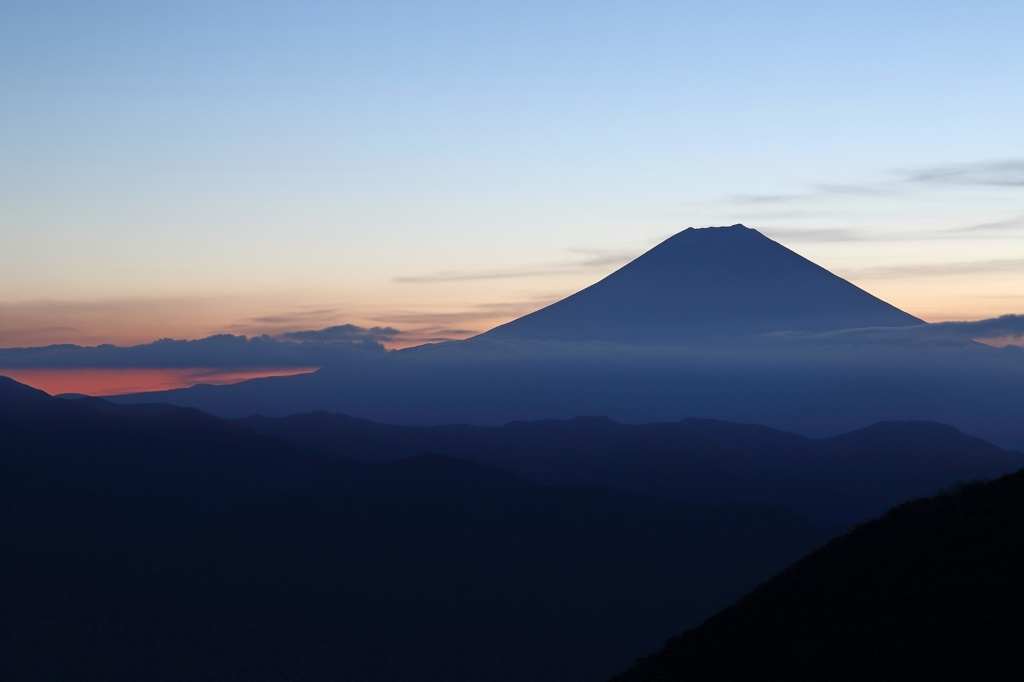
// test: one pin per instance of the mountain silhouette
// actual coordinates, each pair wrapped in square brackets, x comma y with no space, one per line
[718,323]
[14,393]
[834,481]
[176,546]
[710,284]
[931,591]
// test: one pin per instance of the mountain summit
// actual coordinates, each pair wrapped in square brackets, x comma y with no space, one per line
[707,285]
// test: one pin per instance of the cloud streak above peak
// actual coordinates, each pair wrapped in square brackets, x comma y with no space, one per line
[1000,227]
[838,234]
[950,269]
[591,259]
[1002,173]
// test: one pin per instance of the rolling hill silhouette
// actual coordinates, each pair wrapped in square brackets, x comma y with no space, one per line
[931,591]
[166,544]
[702,285]
[835,481]
[832,481]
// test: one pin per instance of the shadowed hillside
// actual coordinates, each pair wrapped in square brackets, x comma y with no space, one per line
[833,481]
[932,590]
[175,546]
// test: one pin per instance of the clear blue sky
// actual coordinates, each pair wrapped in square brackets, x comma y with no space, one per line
[183,168]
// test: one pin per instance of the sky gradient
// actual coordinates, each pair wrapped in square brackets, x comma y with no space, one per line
[187,169]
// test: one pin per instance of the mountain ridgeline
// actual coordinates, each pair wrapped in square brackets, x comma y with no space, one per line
[714,323]
[146,539]
[170,545]
[150,541]
[833,481]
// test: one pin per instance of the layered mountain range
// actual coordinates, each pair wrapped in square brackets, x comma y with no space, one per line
[171,545]
[714,323]
[147,540]
[150,541]
[833,481]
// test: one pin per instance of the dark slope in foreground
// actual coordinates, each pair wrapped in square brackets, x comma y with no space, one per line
[178,547]
[932,590]
[839,480]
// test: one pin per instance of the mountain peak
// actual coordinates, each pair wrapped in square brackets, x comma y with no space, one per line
[738,227]
[708,285]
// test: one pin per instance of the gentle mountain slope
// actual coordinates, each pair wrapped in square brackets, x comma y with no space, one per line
[932,590]
[711,284]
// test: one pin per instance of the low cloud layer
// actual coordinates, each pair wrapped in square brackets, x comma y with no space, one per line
[313,348]
[345,345]
[816,385]
[956,333]
[344,332]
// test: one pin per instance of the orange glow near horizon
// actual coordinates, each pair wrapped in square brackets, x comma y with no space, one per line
[100,382]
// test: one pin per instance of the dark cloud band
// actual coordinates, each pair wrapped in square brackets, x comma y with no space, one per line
[332,346]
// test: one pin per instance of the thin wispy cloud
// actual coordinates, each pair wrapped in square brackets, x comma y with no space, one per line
[1011,265]
[819,191]
[818,235]
[600,258]
[467,275]
[343,332]
[1003,173]
[1005,327]
[19,335]
[294,316]
[450,325]
[592,259]
[1000,227]
[856,189]
[95,321]
[449,319]
[1006,173]
[764,198]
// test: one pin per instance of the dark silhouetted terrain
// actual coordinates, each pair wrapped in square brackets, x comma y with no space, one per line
[175,546]
[832,481]
[930,591]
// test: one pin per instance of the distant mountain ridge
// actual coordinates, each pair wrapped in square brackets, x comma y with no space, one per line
[832,481]
[703,285]
[716,322]
[167,545]
[151,542]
